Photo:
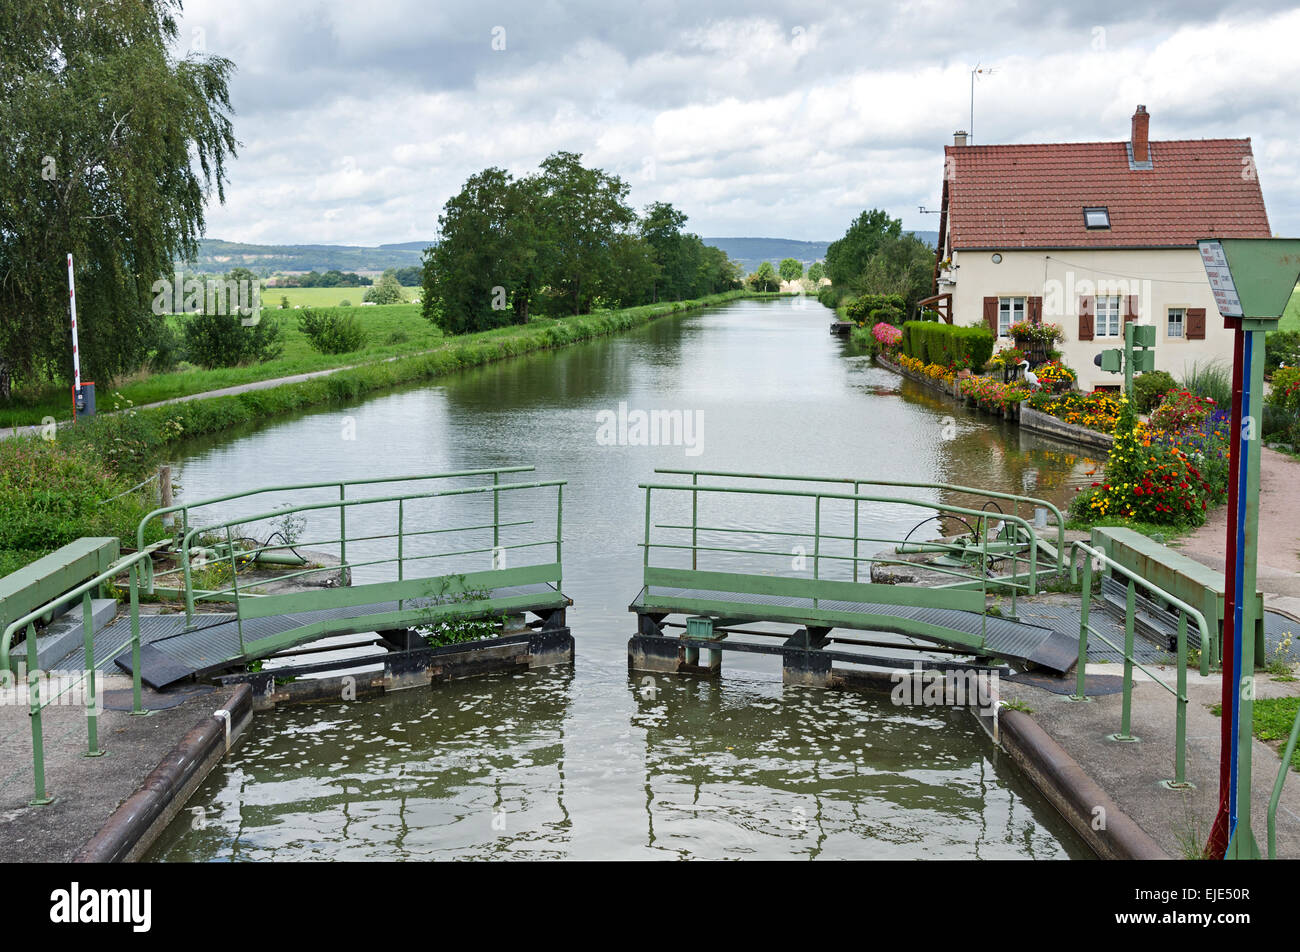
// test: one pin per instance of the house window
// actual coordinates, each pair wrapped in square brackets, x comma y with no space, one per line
[1011,310]
[1108,311]
[1175,326]
[1096,217]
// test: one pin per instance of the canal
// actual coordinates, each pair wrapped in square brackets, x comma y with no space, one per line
[585,763]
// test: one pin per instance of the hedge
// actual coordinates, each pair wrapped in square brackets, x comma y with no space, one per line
[860,310]
[948,344]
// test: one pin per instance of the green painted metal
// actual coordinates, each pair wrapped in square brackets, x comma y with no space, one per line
[51,575]
[1265,272]
[132,566]
[720,589]
[1098,558]
[856,483]
[1287,754]
[1162,568]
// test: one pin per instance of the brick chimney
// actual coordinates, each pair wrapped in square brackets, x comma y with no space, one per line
[1139,141]
[959,137]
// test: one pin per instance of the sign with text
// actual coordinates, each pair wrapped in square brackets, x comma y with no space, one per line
[1221,283]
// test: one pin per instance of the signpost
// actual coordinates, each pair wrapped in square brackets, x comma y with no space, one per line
[83,395]
[1138,355]
[1252,280]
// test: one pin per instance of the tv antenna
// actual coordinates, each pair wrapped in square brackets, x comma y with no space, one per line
[977,71]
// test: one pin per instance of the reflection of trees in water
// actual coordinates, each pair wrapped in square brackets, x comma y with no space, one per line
[798,768]
[376,777]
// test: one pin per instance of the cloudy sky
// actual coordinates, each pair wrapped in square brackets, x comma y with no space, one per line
[758,118]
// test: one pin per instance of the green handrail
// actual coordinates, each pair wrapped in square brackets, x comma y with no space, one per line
[857,482]
[496,488]
[1097,556]
[1276,798]
[129,564]
[184,508]
[694,489]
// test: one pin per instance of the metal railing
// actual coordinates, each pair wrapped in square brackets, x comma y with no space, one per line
[399,555]
[858,483]
[186,508]
[1287,754]
[132,565]
[1098,558]
[1023,546]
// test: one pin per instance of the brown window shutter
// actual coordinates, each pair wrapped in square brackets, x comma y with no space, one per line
[1195,329]
[1130,309]
[991,314]
[1087,311]
[1035,305]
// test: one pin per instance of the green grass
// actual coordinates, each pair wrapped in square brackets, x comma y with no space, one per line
[1291,316]
[323,297]
[1161,533]
[395,330]
[1273,719]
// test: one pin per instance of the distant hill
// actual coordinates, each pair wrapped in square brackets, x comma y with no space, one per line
[751,252]
[217,256]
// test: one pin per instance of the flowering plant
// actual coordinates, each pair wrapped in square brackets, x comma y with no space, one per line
[887,334]
[1026,330]
[1181,410]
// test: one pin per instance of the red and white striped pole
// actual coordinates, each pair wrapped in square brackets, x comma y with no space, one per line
[76,357]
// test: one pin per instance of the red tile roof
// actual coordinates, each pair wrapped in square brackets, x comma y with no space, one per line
[1033,196]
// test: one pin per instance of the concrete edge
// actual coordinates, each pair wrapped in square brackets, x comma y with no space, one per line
[1040,422]
[1076,796]
[138,822]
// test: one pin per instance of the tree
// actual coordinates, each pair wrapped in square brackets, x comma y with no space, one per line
[816,272]
[847,258]
[583,210]
[791,269]
[100,130]
[387,290]
[469,273]
[764,278]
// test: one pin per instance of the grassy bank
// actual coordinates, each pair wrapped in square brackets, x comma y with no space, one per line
[51,490]
[392,331]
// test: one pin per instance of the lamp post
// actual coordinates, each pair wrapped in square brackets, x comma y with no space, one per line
[1252,280]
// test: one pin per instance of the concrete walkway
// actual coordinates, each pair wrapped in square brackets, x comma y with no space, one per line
[1178,820]
[86,789]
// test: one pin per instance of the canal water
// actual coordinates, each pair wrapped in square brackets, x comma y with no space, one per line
[588,763]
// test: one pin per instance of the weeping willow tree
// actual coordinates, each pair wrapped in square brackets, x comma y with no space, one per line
[110,146]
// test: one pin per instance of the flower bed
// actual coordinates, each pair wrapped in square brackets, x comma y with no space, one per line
[993,394]
[1097,410]
[947,375]
[1168,477]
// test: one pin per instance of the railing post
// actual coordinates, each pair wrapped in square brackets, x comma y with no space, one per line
[817,543]
[1126,711]
[400,575]
[857,491]
[189,580]
[234,584]
[88,638]
[38,739]
[1287,754]
[559,533]
[1081,665]
[137,702]
[1180,722]
[646,554]
[343,530]
[695,513]
[496,513]
[984,577]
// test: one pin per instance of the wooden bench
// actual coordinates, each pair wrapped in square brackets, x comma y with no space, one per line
[1180,576]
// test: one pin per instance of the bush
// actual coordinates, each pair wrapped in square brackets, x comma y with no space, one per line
[166,349]
[1150,388]
[948,344]
[329,332]
[1281,347]
[1181,410]
[1212,379]
[387,290]
[862,308]
[222,340]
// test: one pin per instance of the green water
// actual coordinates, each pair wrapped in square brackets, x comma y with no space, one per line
[590,762]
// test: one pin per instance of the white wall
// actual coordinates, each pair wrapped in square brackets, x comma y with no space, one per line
[1160,278]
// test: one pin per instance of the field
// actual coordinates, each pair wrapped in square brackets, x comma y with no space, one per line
[394,330]
[1291,319]
[322,297]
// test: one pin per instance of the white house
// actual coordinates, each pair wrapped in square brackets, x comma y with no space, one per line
[1090,235]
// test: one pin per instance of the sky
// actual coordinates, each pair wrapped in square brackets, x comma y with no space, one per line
[762,118]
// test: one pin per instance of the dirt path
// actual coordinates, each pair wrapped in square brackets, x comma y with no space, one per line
[1279,528]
